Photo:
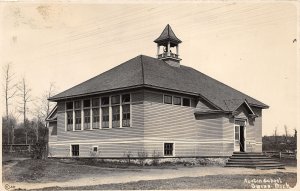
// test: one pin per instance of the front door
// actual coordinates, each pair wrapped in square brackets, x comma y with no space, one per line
[239,138]
[242,139]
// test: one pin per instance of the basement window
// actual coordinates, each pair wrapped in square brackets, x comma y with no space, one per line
[75,150]
[168,149]
[95,149]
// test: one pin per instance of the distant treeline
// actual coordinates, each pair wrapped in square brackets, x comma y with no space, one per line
[36,131]
[283,143]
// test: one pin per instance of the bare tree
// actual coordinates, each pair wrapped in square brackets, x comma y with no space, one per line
[275,135]
[46,105]
[286,131]
[24,93]
[9,92]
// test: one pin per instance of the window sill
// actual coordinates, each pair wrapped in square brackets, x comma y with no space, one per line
[166,156]
[98,129]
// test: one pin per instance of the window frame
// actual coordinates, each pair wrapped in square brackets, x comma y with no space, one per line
[173,149]
[171,98]
[67,102]
[67,120]
[75,122]
[102,119]
[127,120]
[102,98]
[125,102]
[180,102]
[85,109]
[117,114]
[88,124]
[83,105]
[94,148]
[98,109]
[72,152]
[190,102]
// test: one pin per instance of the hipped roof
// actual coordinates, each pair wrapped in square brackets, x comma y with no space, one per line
[168,35]
[145,71]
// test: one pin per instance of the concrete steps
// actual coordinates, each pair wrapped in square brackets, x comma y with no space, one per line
[253,160]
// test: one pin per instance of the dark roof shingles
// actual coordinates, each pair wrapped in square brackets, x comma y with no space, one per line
[167,34]
[124,75]
[145,70]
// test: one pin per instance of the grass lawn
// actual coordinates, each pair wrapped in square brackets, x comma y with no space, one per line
[52,170]
[205,182]
[34,171]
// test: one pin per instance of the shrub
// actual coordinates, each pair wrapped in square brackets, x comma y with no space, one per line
[39,150]
[128,156]
[142,156]
[155,158]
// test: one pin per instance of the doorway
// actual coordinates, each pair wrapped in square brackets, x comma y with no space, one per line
[239,138]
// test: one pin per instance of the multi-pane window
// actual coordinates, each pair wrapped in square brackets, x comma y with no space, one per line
[69,120]
[77,104]
[95,113]
[77,107]
[115,99]
[75,150]
[126,98]
[168,149]
[95,102]
[177,100]
[126,115]
[105,117]
[104,100]
[69,105]
[69,108]
[167,99]
[86,103]
[115,116]
[186,102]
[96,118]
[87,118]
[78,120]
[86,114]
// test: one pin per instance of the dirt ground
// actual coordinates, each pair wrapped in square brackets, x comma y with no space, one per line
[54,174]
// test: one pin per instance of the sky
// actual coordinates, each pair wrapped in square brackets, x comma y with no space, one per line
[249,46]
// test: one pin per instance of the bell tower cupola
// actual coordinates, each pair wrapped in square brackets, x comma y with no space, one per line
[168,41]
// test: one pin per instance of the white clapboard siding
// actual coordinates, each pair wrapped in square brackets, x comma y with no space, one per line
[105,149]
[163,120]
[258,129]
[155,123]
[228,134]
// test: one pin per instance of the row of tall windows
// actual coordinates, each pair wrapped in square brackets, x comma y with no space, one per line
[92,111]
